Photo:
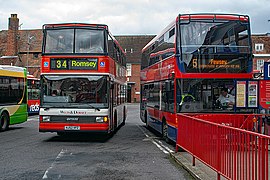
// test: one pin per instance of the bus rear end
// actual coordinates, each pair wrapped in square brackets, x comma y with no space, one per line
[33,89]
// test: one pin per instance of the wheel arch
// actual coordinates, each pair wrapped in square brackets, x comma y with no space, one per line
[5,111]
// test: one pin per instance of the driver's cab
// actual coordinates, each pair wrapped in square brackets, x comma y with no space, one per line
[204,95]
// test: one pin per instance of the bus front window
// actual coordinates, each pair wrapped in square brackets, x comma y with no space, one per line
[79,41]
[89,41]
[59,41]
[215,47]
[79,91]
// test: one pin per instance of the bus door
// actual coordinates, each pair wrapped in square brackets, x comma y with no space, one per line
[155,111]
[153,116]
[112,102]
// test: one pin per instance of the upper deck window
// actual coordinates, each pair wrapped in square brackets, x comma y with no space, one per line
[80,41]
[89,41]
[217,47]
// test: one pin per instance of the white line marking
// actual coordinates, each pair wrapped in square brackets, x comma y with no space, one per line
[160,147]
[61,154]
[158,143]
[33,118]
[166,147]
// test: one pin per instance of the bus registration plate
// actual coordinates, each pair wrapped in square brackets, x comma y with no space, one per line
[72,127]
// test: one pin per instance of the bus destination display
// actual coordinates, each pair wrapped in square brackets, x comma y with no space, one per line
[74,64]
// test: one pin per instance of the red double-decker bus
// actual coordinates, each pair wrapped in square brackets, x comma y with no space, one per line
[200,63]
[33,90]
[83,79]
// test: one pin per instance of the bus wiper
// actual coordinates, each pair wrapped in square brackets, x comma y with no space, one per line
[96,108]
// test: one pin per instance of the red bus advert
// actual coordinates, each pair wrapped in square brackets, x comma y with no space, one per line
[83,79]
[33,94]
[193,66]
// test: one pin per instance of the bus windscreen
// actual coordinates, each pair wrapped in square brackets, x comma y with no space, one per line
[215,47]
[69,41]
[75,91]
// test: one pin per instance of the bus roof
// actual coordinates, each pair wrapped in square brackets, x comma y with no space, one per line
[13,71]
[45,26]
[29,76]
[12,68]
[213,16]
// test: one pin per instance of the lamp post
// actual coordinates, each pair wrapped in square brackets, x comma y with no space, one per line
[28,49]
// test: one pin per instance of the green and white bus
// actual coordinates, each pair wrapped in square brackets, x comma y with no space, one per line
[13,96]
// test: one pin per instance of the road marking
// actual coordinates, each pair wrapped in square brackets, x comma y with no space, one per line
[61,154]
[160,147]
[165,149]
[33,118]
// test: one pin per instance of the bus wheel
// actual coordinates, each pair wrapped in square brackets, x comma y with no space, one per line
[61,133]
[165,131]
[4,121]
[146,120]
[115,122]
[124,116]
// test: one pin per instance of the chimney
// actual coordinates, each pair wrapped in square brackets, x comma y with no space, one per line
[12,36]
[13,22]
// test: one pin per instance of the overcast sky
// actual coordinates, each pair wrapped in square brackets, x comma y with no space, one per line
[128,17]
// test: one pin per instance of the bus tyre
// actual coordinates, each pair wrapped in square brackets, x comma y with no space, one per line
[124,118]
[115,122]
[4,121]
[61,133]
[165,131]
[146,120]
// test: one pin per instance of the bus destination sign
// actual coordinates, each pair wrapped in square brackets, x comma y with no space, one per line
[215,63]
[74,64]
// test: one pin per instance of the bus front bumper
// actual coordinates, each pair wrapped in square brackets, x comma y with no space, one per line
[74,127]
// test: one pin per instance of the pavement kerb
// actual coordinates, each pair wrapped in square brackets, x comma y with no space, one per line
[199,172]
[181,162]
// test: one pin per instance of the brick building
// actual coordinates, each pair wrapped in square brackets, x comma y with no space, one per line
[21,47]
[261,51]
[133,46]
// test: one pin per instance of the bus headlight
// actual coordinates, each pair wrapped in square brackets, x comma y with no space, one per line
[99,119]
[102,119]
[46,118]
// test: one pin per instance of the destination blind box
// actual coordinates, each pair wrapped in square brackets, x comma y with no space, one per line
[74,63]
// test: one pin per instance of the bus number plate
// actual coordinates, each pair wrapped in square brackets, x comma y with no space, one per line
[72,127]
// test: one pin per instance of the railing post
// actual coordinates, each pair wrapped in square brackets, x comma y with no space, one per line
[218,176]
[193,142]
[218,151]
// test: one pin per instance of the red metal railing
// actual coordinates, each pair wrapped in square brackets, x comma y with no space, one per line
[232,152]
[250,122]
